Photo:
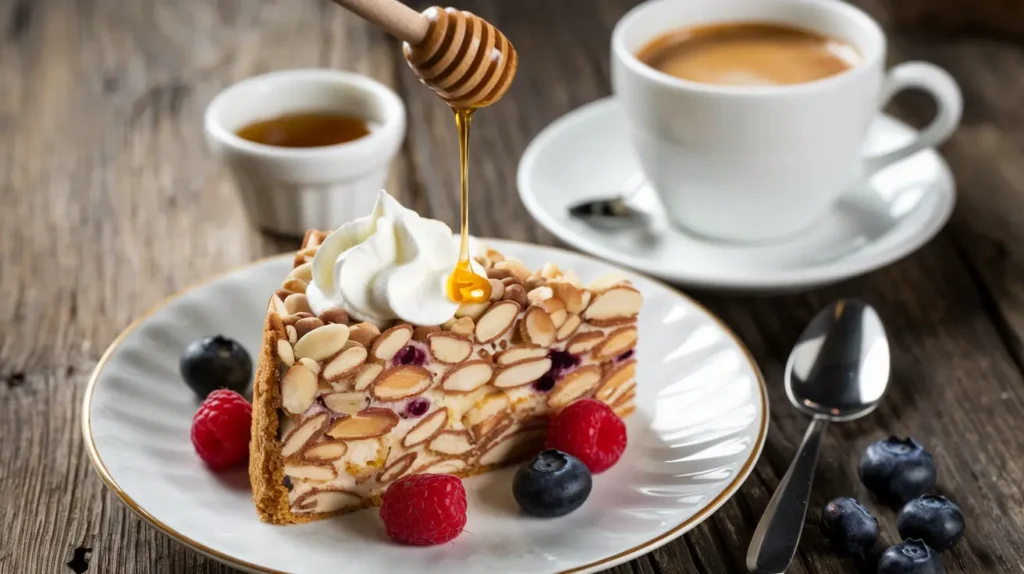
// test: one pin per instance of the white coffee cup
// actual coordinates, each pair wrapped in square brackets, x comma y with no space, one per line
[289,190]
[756,163]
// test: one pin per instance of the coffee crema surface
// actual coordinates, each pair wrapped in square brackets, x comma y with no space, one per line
[748,54]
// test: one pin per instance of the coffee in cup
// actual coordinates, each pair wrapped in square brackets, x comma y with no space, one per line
[742,144]
[748,54]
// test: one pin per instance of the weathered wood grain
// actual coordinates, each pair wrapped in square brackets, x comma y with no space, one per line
[109,202]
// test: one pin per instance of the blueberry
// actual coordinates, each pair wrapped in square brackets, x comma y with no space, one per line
[849,526]
[624,356]
[561,362]
[552,484]
[935,519]
[215,363]
[545,383]
[897,470]
[910,557]
[417,407]
[411,355]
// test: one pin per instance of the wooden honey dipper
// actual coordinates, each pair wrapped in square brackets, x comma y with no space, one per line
[459,55]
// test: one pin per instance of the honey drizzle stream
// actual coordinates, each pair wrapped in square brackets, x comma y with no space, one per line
[465,286]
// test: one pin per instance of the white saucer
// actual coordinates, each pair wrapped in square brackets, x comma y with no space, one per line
[700,423]
[587,154]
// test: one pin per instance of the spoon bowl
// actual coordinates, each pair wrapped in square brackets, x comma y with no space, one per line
[839,368]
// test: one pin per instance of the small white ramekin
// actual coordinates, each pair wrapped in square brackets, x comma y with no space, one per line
[289,190]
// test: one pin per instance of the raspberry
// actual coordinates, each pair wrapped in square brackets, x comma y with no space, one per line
[424,509]
[590,431]
[221,429]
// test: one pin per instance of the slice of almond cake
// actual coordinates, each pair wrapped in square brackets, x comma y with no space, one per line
[368,373]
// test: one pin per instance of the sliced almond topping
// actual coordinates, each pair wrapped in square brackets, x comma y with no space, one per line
[303,272]
[623,395]
[550,271]
[293,335]
[537,328]
[322,343]
[302,434]
[364,333]
[617,342]
[397,469]
[624,411]
[539,295]
[512,448]
[575,385]
[391,341]
[614,379]
[508,280]
[298,389]
[605,282]
[294,318]
[307,324]
[516,268]
[284,351]
[365,375]
[569,327]
[294,285]
[422,333]
[451,443]
[520,353]
[619,302]
[496,321]
[494,256]
[449,348]
[583,342]
[522,373]
[449,466]
[400,382]
[517,293]
[310,471]
[497,289]
[587,295]
[326,500]
[472,310]
[297,303]
[486,414]
[346,403]
[335,315]
[534,282]
[555,309]
[369,423]
[345,363]
[463,326]
[467,377]
[277,306]
[426,429]
[310,364]
[330,451]
[569,294]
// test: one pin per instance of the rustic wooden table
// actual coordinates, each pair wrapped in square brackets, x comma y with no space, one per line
[109,202]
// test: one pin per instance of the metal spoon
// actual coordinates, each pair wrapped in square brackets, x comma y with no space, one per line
[628,209]
[837,371]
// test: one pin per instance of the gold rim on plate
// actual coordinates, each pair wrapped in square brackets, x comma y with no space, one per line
[607,562]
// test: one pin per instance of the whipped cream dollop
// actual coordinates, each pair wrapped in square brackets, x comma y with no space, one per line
[390,265]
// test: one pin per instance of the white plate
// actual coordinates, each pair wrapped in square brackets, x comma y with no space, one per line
[699,427]
[587,153]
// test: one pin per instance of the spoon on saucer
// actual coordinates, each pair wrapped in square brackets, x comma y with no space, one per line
[838,371]
[617,211]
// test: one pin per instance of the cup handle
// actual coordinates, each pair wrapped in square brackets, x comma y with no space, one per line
[942,87]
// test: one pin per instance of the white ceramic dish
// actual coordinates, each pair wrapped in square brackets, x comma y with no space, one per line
[587,154]
[700,425]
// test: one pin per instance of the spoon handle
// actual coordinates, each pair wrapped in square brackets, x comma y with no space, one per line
[778,534]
